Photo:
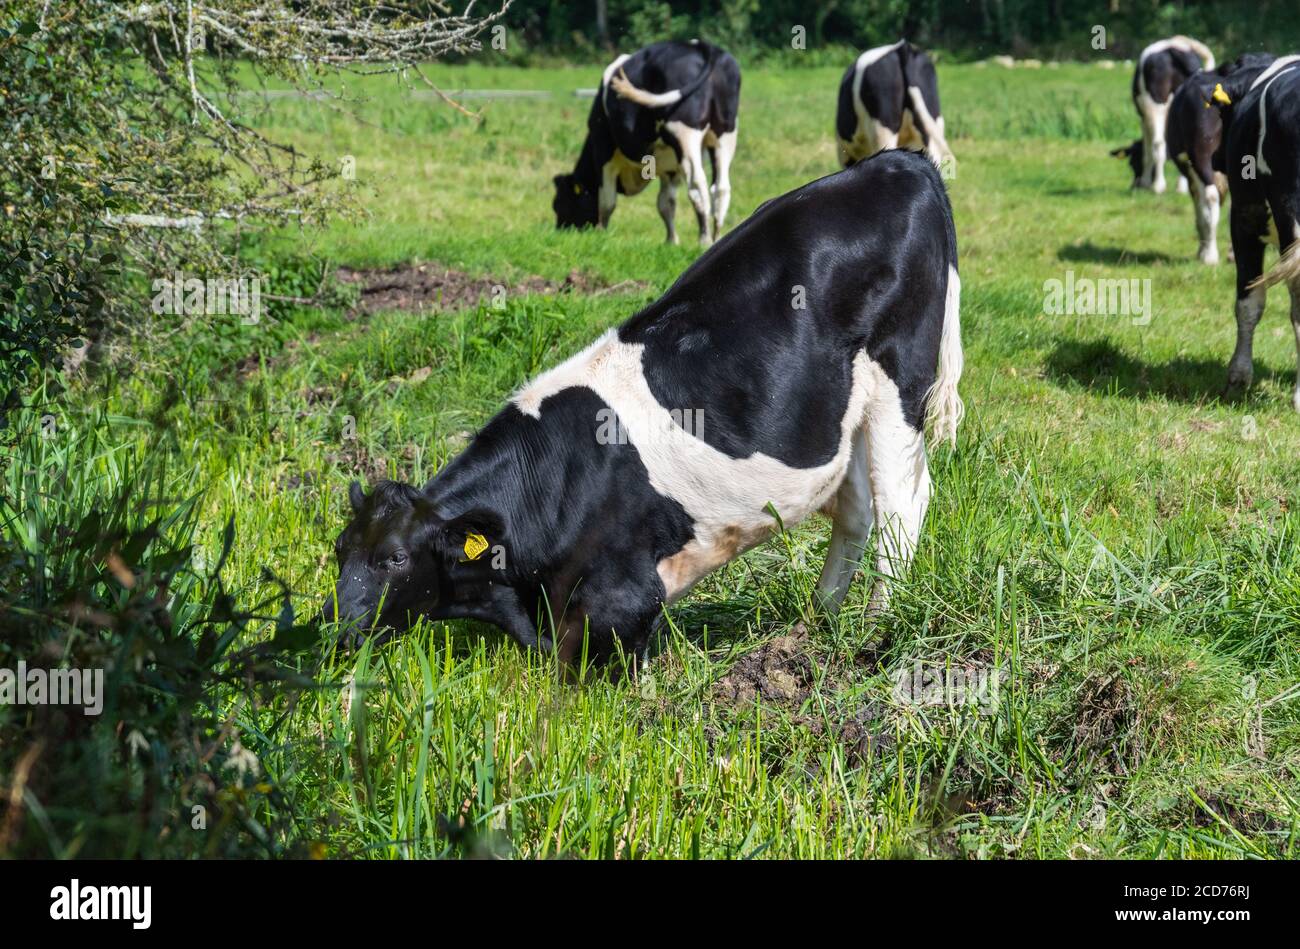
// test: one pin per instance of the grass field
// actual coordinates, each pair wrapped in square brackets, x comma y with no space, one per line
[1110,539]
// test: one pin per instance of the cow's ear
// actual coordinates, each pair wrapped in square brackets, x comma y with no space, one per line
[356,496]
[477,535]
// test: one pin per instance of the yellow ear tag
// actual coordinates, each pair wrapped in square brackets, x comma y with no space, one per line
[577,189]
[1220,95]
[475,544]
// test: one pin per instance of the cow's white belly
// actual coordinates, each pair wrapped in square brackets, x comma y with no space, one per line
[726,498]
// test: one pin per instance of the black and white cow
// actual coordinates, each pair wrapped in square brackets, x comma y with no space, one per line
[789,370]
[1194,133]
[671,101]
[889,98]
[1263,169]
[1161,68]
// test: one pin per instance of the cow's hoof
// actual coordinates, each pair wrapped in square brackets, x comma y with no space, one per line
[1237,384]
[1295,400]
[1182,186]
[1210,258]
[1158,188]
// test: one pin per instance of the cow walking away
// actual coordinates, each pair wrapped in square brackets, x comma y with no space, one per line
[889,98]
[1161,68]
[1194,132]
[1263,168]
[789,370]
[655,114]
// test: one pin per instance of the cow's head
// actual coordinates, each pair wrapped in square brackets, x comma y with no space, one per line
[399,560]
[387,559]
[575,204]
[1133,153]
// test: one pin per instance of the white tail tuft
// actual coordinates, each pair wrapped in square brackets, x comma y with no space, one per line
[943,406]
[1286,270]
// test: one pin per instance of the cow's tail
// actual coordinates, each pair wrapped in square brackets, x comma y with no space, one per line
[1200,49]
[943,406]
[933,133]
[1286,270]
[663,100]
[914,62]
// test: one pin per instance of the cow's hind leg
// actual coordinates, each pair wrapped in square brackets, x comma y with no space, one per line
[722,154]
[691,142]
[852,515]
[1249,224]
[1155,150]
[668,182]
[900,487]
[1205,200]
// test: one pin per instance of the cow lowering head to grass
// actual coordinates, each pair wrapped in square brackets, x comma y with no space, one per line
[889,98]
[789,370]
[1161,68]
[654,116]
[1263,168]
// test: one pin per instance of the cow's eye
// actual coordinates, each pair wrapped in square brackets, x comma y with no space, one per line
[397,558]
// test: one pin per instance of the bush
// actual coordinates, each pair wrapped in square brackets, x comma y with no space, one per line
[98,573]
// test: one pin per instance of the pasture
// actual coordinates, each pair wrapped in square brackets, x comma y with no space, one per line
[1110,543]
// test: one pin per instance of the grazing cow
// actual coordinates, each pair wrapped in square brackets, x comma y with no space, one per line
[889,98]
[1263,169]
[790,369]
[672,101]
[1194,133]
[1161,69]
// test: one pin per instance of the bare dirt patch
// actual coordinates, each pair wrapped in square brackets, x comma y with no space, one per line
[433,288]
[1106,729]
[781,674]
[779,671]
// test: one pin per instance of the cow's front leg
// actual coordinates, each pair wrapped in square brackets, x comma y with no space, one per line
[589,637]
[603,609]
[668,182]
[1249,228]
[1295,327]
[691,142]
[608,195]
[852,515]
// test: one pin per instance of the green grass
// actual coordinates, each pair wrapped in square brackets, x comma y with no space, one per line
[1117,540]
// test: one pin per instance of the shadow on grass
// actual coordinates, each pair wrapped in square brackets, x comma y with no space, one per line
[728,621]
[1100,366]
[1090,253]
[1079,191]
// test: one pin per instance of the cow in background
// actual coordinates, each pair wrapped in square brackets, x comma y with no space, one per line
[1194,133]
[1161,69]
[672,101]
[889,98]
